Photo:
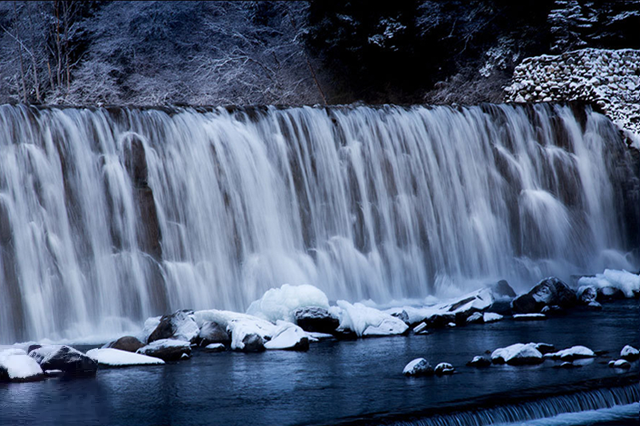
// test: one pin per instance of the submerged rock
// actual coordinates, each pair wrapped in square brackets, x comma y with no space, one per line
[215,347]
[66,359]
[418,367]
[167,349]
[316,319]
[125,343]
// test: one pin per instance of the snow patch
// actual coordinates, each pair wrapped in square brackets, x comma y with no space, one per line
[286,336]
[118,358]
[366,321]
[19,365]
[281,303]
[623,280]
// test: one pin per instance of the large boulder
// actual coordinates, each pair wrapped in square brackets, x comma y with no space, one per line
[587,294]
[525,304]
[212,332]
[316,319]
[553,291]
[418,367]
[64,358]
[178,325]
[167,349]
[125,343]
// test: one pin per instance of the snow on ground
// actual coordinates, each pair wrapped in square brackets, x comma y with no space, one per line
[610,78]
[19,365]
[280,303]
[117,358]
[366,321]
[623,280]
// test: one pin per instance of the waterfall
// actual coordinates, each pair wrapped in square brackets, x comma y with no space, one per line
[516,414]
[111,215]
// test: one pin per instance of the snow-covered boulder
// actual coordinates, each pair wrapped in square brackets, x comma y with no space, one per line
[553,291]
[574,352]
[282,303]
[418,367]
[316,319]
[215,347]
[179,325]
[621,363]
[167,349]
[518,354]
[366,321]
[443,368]
[479,362]
[629,353]
[118,358]
[17,366]
[64,358]
[491,317]
[611,280]
[125,343]
[212,332]
[243,328]
[288,336]
[587,294]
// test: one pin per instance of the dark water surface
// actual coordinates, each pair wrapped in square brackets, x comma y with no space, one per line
[332,382]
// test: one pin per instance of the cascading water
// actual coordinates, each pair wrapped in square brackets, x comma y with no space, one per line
[112,215]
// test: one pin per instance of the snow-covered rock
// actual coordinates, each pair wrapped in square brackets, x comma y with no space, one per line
[64,358]
[366,321]
[575,352]
[553,291]
[212,332]
[491,317]
[629,353]
[624,281]
[443,368]
[288,336]
[418,367]
[517,354]
[179,325]
[118,358]
[125,343]
[167,349]
[17,366]
[239,325]
[587,294]
[316,319]
[474,318]
[281,303]
[215,347]
[621,363]
[479,362]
